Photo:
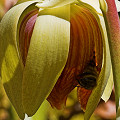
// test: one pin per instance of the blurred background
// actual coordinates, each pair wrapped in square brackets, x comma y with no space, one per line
[104,111]
[72,111]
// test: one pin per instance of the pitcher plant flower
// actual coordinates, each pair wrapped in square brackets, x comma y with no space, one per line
[50,47]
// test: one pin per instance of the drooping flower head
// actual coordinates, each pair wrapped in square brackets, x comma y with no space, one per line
[48,49]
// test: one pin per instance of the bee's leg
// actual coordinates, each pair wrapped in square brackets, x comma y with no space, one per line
[78,86]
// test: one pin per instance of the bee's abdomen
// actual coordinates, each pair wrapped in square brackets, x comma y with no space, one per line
[88,79]
[88,82]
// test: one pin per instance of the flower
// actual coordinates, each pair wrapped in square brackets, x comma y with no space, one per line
[48,47]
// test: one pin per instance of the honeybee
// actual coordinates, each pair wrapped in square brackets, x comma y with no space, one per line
[88,79]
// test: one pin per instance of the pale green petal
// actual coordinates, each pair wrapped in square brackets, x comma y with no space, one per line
[11,69]
[93,3]
[117,5]
[41,114]
[102,79]
[103,5]
[108,89]
[54,3]
[46,58]
[21,1]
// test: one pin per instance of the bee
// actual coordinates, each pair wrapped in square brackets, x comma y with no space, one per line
[88,79]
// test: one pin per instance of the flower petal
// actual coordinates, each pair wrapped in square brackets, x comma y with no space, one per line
[46,57]
[94,4]
[83,96]
[22,1]
[117,5]
[25,32]
[82,47]
[95,31]
[104,74]
[54,3]
[108,89]
[11,69]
